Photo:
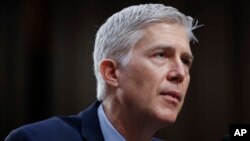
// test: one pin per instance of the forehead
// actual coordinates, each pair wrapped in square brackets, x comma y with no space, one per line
[164,35]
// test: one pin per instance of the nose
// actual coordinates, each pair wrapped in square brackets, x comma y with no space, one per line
[176,73]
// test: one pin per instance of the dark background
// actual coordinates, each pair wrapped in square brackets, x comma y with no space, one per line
[46,63]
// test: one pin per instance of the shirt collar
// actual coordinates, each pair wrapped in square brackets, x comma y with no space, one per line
[108,131]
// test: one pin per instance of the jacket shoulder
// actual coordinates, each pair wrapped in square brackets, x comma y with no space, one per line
[52,129]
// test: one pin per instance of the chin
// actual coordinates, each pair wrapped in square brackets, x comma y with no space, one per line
[171,119]
[166,114]
[168,118]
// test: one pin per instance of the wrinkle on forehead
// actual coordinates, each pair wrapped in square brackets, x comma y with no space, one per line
[165,35]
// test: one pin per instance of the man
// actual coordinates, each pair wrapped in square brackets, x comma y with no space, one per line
[142,59]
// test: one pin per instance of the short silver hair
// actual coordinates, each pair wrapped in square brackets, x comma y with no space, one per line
[118,35]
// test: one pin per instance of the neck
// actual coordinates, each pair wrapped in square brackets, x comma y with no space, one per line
[130,124]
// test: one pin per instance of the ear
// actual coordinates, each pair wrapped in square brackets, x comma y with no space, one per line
[108,69]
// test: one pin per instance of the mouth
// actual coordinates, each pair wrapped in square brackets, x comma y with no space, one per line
[172,96]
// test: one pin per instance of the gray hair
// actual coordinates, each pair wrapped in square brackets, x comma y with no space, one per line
[118,35]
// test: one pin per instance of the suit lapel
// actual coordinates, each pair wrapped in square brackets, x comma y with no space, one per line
[91,130]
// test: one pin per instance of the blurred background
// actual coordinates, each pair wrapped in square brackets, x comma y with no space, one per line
[46,63]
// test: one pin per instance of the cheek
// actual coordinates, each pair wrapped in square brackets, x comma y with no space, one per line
[139,82]
[145,77]
[185,83]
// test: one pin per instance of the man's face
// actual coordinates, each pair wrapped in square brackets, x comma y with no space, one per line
[155,81]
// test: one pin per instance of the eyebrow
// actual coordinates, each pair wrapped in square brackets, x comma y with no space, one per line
[172,49]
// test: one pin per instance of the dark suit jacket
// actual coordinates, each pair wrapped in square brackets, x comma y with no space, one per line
[82,127]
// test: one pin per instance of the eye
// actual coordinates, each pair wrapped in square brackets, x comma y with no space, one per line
[160,54]
[187,62]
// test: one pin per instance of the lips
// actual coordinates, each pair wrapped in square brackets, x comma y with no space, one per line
[172,94]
